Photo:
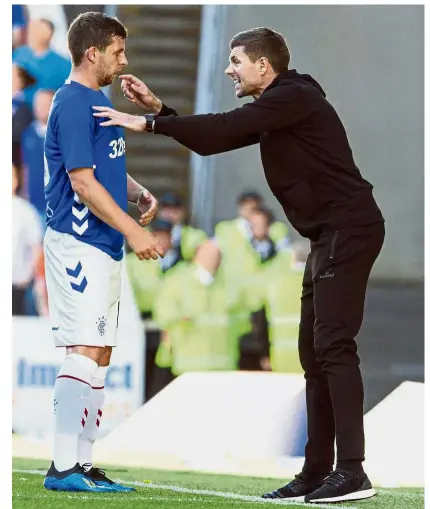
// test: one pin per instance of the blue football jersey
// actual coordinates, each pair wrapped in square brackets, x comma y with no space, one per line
[75,139]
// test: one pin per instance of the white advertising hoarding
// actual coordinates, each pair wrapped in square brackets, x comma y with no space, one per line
[35,363]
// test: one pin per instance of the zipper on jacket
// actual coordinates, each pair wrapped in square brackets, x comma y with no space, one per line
[333,245]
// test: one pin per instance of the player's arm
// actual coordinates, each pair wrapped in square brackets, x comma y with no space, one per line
[145,201]
[101,204]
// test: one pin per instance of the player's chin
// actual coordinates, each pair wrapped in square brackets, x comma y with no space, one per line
[106,81]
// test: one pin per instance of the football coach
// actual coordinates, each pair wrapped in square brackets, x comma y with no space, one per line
[310,169]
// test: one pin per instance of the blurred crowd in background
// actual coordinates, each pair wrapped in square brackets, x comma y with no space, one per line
[37,73]
[231,301]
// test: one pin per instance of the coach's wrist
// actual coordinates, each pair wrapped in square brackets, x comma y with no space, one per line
[157,106]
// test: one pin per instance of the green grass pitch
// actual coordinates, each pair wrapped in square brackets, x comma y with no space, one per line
[158,489]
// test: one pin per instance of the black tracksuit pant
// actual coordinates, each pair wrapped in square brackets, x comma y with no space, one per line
[332,304]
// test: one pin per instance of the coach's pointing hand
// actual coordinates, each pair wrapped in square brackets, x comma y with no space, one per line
[131,122]
[143,244]
[138,93]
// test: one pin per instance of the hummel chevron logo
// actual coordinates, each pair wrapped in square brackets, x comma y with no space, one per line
[80,214]
[80,229]
[80,281]
[80,288]
[76,271]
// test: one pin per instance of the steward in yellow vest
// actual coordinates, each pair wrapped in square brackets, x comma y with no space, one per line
[197,309]
[247,202]
[281,290]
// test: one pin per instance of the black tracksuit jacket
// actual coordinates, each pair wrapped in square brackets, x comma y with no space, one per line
[305,152]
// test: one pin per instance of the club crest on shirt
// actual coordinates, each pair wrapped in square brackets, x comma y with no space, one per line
[101,325]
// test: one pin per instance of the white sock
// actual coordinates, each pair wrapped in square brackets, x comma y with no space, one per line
[71,402]
[91,429]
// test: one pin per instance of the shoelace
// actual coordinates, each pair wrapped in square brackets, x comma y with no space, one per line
[93,471]
[298,480]
[99,472]
[335,479]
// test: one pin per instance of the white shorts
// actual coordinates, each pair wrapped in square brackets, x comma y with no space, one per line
[84,288]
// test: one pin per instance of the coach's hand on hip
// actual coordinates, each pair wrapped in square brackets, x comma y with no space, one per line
[143,244]
[131,122]
[138,93]
[148,206]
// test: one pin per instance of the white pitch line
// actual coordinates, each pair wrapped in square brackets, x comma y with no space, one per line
[104,497]
[233,496]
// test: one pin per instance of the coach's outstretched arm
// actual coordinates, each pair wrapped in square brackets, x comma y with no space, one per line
[138,93]
[277,108]
[101,204]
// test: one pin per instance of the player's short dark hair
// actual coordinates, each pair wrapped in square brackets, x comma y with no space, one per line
[263,42]
[92,29]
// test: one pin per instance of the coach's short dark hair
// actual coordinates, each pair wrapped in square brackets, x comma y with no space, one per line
[92,29]
[263,42]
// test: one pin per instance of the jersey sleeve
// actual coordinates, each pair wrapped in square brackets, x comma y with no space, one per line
[76,134]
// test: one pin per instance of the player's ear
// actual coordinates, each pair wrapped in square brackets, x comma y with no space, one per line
[91,54]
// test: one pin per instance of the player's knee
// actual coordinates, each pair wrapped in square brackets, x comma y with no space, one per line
[79,367]
[93,352]
[105,357]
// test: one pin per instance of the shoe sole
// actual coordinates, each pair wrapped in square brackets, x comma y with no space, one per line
[294,499]
[117,488]
[73,489]
[356,495]
[287,499]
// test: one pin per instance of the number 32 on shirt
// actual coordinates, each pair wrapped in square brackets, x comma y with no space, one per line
[118,148]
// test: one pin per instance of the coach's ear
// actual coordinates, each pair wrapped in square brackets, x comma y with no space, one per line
[91,54]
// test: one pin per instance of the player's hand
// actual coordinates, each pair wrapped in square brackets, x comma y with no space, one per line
[136,124]
[144,245]
[148,206]
[138,93]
